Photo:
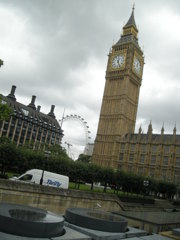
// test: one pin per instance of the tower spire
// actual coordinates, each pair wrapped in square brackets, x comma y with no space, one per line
[130,31]
[140,130]
[131,22]
[133,7]
[162,129]
[174,130]
[150,130]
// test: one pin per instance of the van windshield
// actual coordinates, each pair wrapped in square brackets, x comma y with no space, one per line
[26,177]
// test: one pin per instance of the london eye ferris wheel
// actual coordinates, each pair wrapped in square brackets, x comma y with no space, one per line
[76,137]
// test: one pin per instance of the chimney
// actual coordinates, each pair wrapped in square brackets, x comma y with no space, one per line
[32,105]
[1,63]
[11,95]
[51,113]
[38,108]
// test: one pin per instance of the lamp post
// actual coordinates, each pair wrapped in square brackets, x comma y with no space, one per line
[145,184]
[46,154]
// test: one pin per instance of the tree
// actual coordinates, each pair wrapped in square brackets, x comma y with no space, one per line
[29,159]
[167,189]
[84,158]
[127,183]
[78,172]
[153,185]
[137,184]
[8,155]
[93,174]
[5,110]
[58,151]
[118,180]
[107,177]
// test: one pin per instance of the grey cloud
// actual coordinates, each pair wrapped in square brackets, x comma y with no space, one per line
[62,36]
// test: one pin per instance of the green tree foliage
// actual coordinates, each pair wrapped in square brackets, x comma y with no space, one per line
[58,161]
[137,184]
[29,159]
[58,164]
[152,188]
[57,150]
[5,110]
[107,177]
[128,183]
[8,155]
[22,159]
[93,174]
[84,158]
[118,180]
[167,189]
[77,172]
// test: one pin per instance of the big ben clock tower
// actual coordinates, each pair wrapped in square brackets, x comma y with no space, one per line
[121,94]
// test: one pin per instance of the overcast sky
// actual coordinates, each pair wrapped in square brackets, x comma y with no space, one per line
[57,50]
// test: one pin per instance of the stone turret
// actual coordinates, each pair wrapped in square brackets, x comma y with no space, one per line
[162,129]
[150,130]
[51,113]
[32,103]
[12,93]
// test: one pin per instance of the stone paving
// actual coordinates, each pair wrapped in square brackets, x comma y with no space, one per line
[151,237]
[72,234]
[39,224]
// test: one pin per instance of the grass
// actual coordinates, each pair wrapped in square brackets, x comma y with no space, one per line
[85,187]
[10,174]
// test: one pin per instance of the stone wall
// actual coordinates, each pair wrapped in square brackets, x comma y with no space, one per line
[54,199]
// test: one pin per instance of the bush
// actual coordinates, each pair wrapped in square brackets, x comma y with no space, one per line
[136,199]
[176,203]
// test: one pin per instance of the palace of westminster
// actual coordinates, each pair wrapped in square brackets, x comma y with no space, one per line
[116,145]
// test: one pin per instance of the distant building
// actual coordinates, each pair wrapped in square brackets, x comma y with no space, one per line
[89,149]
[28,126]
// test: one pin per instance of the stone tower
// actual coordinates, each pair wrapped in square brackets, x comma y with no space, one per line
[121,94]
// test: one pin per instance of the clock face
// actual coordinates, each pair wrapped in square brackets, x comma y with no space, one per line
[118,61]
[137,65]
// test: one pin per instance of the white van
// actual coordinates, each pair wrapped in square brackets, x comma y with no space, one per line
[46,178]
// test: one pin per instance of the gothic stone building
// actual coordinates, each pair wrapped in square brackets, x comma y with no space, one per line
[116,145]
[153,155]
[28,126]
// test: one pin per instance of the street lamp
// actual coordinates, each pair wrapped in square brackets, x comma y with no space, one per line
[46,154]
[145,184]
